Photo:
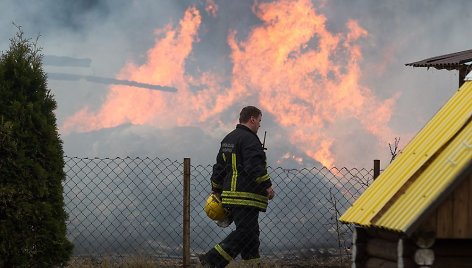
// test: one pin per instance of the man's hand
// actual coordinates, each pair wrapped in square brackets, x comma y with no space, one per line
[270,193]
[217,193]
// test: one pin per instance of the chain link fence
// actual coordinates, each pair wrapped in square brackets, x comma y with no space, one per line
[134,207]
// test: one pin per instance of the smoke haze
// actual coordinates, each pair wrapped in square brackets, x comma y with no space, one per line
[167,79]
[328,75]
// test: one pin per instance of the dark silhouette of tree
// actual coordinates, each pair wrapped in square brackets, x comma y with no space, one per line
[32,216]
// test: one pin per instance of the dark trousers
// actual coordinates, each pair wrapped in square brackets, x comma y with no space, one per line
[244,239]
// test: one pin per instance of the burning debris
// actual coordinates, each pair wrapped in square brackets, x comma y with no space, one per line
[289,64]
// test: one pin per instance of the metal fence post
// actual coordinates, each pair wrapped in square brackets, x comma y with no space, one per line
[186,212]
[376,168]
[97,193]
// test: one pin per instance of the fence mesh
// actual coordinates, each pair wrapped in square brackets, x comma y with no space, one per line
[133,206]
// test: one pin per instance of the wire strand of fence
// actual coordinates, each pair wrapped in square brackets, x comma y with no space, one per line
[133,206]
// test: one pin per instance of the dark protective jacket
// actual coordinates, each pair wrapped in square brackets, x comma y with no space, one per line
[240,173]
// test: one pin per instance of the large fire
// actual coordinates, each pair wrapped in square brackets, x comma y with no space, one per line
[290,65]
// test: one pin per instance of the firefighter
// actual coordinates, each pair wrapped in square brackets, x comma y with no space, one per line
[241,180]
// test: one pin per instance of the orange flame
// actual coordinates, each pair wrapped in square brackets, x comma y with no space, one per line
[296,70]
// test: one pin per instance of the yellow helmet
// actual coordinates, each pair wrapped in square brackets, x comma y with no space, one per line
[214,208]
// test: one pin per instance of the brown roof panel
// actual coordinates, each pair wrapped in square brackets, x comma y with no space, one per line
[448,61]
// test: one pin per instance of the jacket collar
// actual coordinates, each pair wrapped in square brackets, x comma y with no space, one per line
[243,127]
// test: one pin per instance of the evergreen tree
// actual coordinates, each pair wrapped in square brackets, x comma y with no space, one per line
[32,216]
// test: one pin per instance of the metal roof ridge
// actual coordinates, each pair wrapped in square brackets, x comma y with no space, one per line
[430,60]
[419,178]
[415,155]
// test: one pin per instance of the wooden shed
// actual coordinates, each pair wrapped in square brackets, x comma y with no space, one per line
[418,212]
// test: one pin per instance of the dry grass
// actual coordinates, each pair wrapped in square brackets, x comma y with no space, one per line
[127,262]
[143,262]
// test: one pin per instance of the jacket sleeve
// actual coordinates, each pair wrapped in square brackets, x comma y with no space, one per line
[255,162]
[219,173]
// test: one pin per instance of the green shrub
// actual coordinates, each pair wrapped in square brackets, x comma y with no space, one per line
[32,216]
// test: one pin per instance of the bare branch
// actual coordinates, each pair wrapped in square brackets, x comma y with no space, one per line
[394,151]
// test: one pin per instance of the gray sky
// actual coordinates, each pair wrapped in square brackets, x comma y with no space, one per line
[328,75]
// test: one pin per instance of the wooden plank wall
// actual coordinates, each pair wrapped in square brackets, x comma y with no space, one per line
[453,218]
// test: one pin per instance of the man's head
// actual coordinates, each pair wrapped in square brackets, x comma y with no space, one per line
[251,117]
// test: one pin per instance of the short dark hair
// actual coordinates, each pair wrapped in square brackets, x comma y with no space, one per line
[248,112]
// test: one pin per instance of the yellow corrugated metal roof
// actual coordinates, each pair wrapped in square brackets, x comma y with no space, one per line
[425,168]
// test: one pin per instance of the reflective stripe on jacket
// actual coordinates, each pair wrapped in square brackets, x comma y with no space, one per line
[240,172]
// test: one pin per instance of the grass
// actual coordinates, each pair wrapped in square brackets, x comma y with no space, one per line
[145,262]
